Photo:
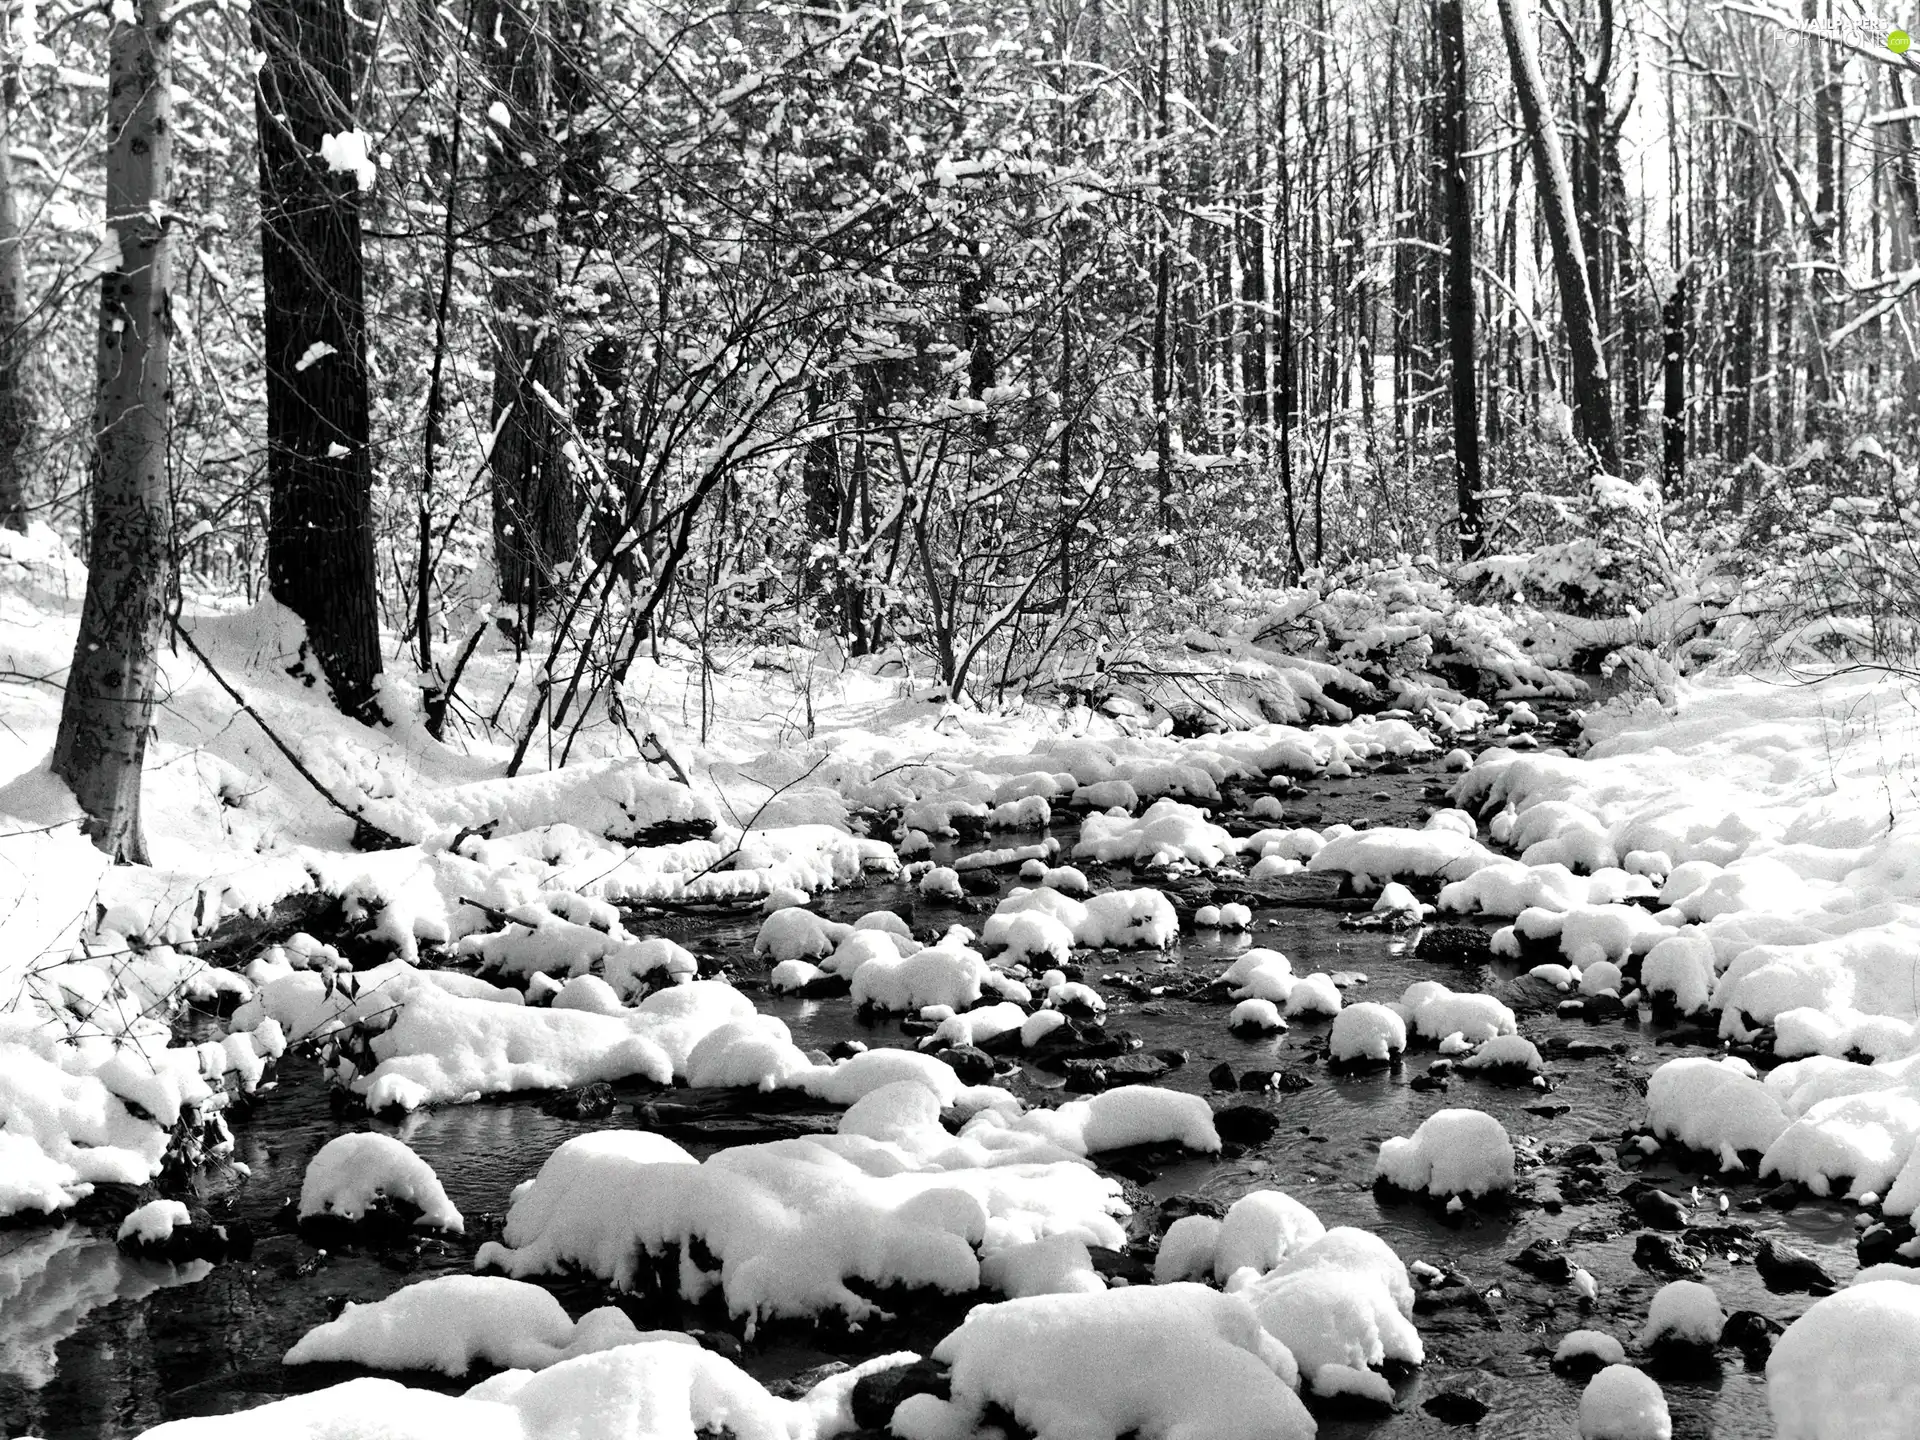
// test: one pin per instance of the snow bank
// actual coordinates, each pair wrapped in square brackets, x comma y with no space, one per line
[1176,1361]
[792,1222]
[442,1041]
[635,1391]
[452,1323]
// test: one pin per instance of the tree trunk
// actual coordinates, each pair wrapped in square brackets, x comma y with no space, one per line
[1590,389]
[16,418]
[1673,407]
[535,510]
[1456,204]
[108,708]
[319,468]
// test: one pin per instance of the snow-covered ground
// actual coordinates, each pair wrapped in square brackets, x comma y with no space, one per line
[1751,861]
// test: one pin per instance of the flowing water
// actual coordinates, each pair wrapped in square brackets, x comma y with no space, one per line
[96,1345]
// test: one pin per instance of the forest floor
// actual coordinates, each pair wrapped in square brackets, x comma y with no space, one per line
[900,1002]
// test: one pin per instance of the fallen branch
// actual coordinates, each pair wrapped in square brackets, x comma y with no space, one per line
[366,834]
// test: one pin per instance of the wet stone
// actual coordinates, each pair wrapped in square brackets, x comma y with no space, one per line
[1665,1255]
[1221,1077]
[1788,1271]
[1245,1124]
[1285,1082]
[1752,1334]
[1544,1260]
[1456,1407]
[1658,1209]
[589,1102]
[1454,945]
[876,1396]
[1879,1244]
[1086,1077]
[972,1065]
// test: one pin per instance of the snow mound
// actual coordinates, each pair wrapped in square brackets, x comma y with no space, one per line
[1261,1229]
[1165,833]
[792,1222]
[1388,852]
[1683,1312]
[1166,1362]
[351,1173]
[1849,1368]
[1713,1105]
[1453,1152]
[452,1323]
[1620,1403]
[1367,1031]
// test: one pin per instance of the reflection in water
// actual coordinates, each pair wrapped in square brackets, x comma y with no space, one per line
[50,1282]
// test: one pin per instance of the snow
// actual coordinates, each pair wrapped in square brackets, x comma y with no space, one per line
[153,1223]
[452,1323]
[1682,1312]
[1452,1153]
[892,1199]
[1435,1012]
[1261,1229]
[1256,1015]
[1713,1105]
[1127,1115]
[1849,1368]
[1589,1344]
[1620,1403]
[1165,832]
[1166,1362]
[1187,1249]
[350,1173]
[647,1387]
[1391,853]
[1505,1052]
[1367,1031]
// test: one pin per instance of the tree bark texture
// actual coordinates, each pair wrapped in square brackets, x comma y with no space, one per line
[104,719]
[1456,203]
[320,559]
[16,418]
[535,509]
[1592,402]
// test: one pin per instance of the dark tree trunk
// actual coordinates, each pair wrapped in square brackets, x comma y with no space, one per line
[1673,406]
[535,510]
[1456,204]
[108,709]
[319,469]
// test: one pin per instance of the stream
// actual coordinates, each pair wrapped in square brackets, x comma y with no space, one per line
[95,1345]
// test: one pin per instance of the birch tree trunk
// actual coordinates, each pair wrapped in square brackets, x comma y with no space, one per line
[16,419]
[1591,401]
[108,708]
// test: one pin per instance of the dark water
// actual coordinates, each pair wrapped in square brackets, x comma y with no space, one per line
[95,1345]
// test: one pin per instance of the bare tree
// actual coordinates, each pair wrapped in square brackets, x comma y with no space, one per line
[108,708]
[1592,403]
[15,415]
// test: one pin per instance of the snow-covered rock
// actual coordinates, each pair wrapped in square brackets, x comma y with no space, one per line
[1452,1153]
[351,1174]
